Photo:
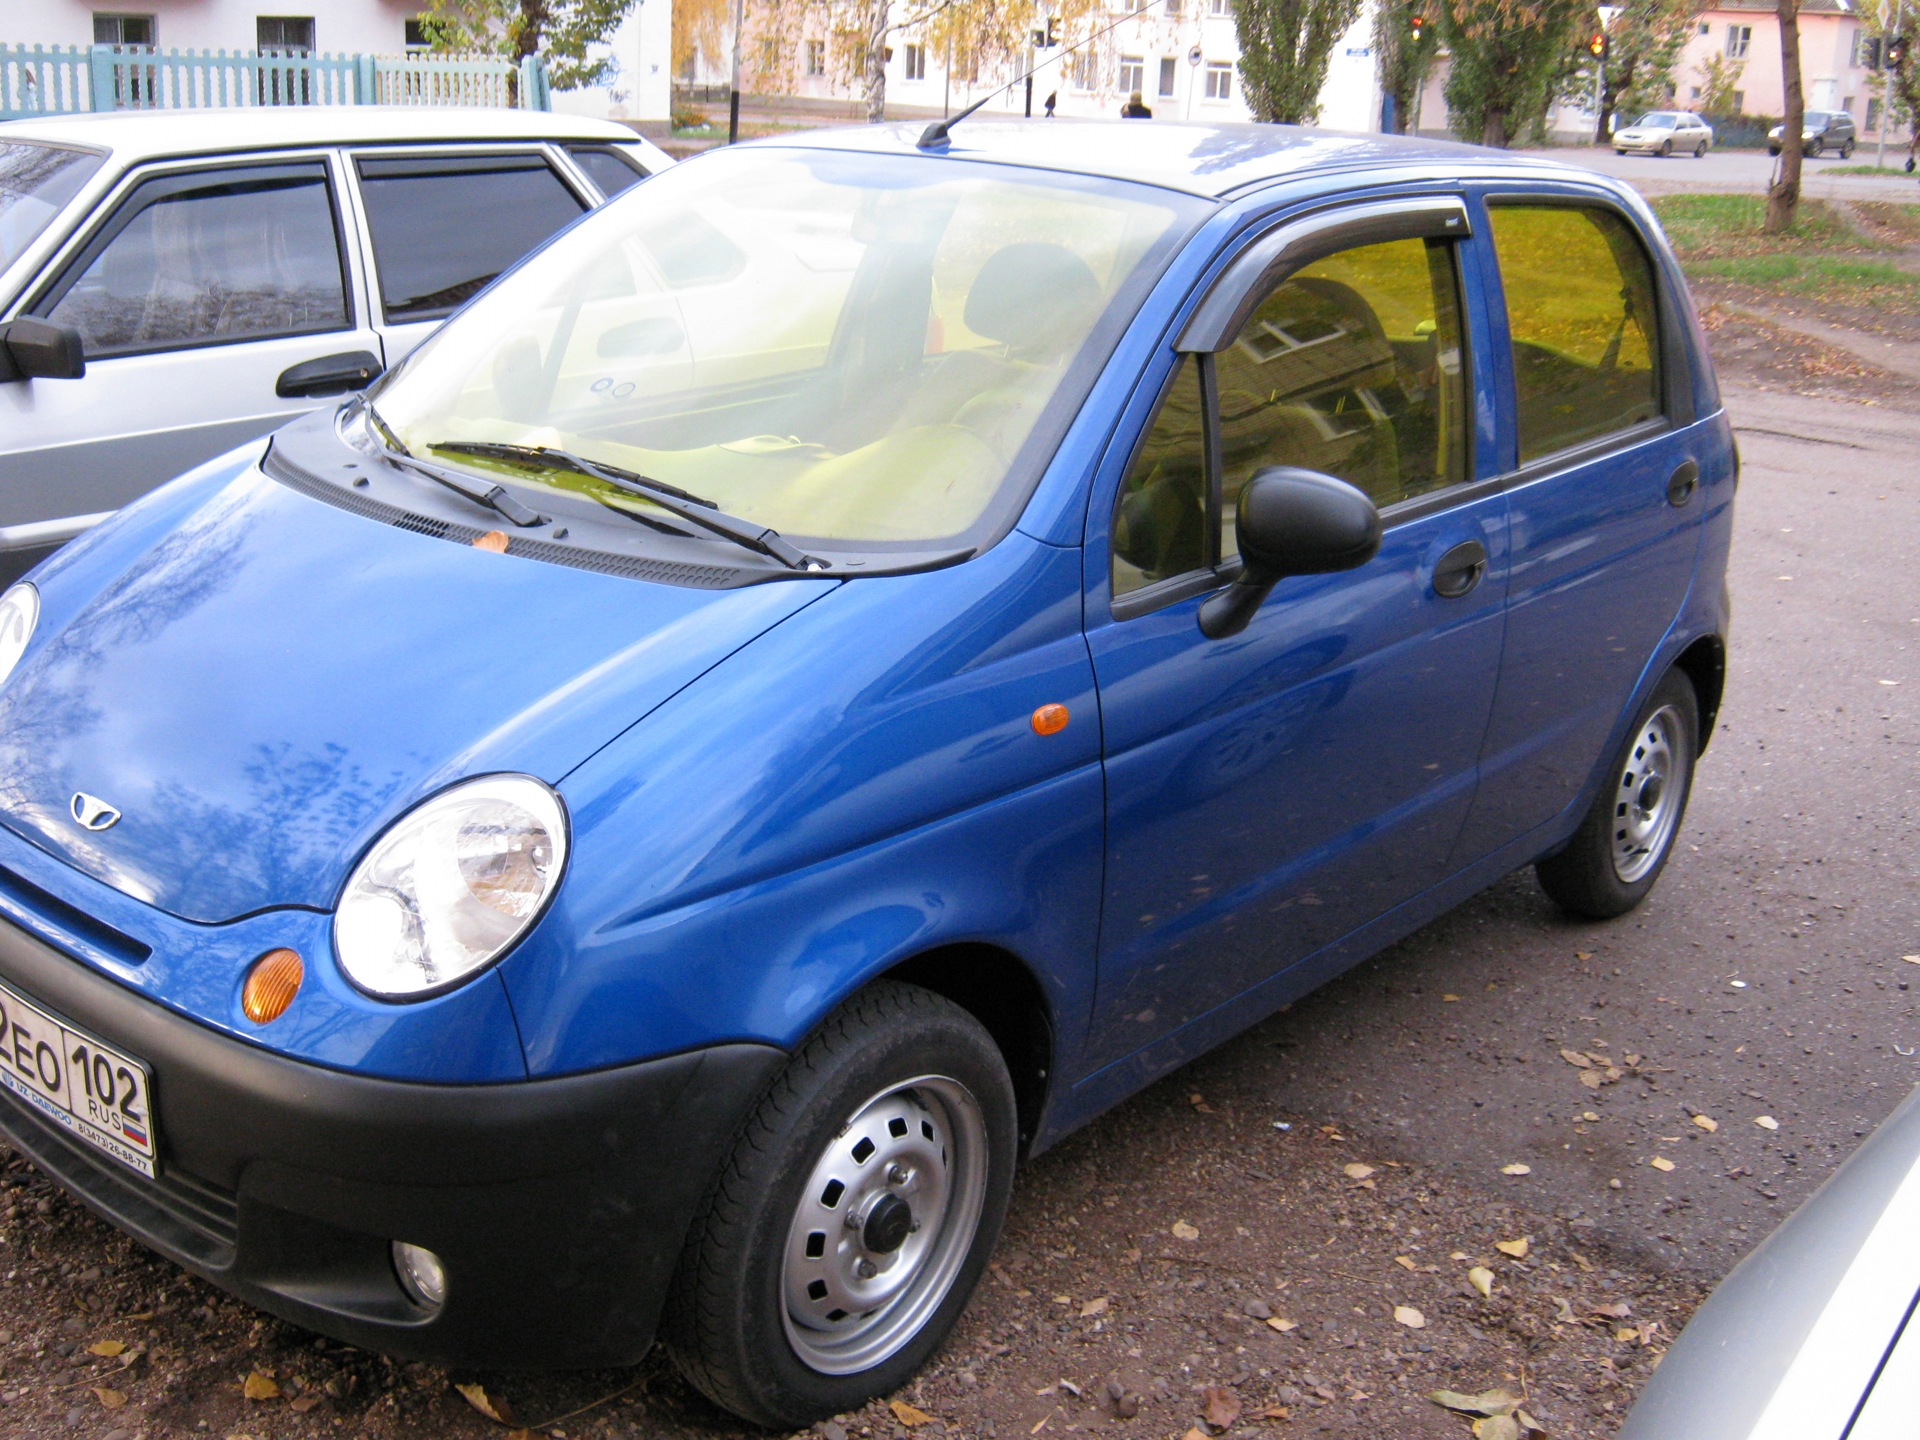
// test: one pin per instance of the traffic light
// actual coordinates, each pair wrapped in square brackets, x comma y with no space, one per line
[1870,52]
[1053,30]
[1418,22]
[1598,44]
[1896,52]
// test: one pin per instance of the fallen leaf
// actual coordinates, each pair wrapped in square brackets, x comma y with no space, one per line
[1592,1079]
[1618,1310]
[909,1415]
[1626,1334]
[258,1386]
[492,1406]
[1528,1423]
[1357,1171]
[1489,1402]
[1516,1169]
[1766,1122]
[1223,1407]
[1454,999]
[1516,1248]
[1498,1427]
[1583,954]
[112,1399]
[1574,1057]
[1183,1231]
[1405,1261]
[1410,1317]
[107,1347]
[1094,1307]
[1706,1124]
[1911,959]
[1564,1312]
[1481,1279]
[1660,1162]
[1194,1432]
[1283,1325]
[1269,1412]
[304,1404]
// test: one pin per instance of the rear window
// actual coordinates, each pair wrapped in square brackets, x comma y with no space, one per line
[36,182]
[444,226]
[609,167]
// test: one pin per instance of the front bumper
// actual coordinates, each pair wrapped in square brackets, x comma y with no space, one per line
[559,1207]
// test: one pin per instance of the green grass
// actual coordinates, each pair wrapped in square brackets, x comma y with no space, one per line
[1720,238]
[1892,170]
[1708,226]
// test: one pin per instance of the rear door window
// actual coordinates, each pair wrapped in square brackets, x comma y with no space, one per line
[444,226]
[609,167]
[209,256]
[1583,318]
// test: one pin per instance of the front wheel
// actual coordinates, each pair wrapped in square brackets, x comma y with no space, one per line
[1814,149]
[1666,149]
[855,1215]
[1622,846]
[1846,149]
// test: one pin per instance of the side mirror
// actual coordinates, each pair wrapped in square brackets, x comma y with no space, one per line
[40,350]
[1291,522]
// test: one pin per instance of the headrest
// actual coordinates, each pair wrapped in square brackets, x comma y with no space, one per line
[1034,297]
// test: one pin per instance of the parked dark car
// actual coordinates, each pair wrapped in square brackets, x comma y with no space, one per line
[1820,131]
[853,659]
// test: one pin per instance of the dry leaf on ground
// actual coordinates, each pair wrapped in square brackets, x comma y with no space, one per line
[259,1386]
[1705,1123]
[1183,1231]
[1481,1279]
[1575,1057]
[1516,1169]
[304,1404]
[1357,1171]
[1282,1324]
[112,1399]
[1516,1248]
[909,1415]
[1410,1317]
[494,1407]
[1094,1307]
[1405,1262]
[1488,1402]
[1766,1122]
[1660,1162]
[1223,1407]
[108,1348]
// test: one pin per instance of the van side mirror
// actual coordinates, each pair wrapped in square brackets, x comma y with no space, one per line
[1291,522]
[35,349]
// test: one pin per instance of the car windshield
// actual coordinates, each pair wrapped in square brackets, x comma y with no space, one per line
[1656,120]
[862,349]
[35,182]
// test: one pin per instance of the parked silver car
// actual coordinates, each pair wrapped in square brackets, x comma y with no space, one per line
[1662,132]
[1820,131]
[1814,1336]
[174,283]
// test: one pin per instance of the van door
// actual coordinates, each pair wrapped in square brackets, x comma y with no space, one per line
[1272,791]
[215,301]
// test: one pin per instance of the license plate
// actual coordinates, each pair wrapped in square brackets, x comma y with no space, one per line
[90,1089]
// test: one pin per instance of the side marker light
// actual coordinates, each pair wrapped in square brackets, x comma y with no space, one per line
[1050,719]
[271,985]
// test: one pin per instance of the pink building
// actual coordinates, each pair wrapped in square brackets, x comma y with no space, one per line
[1745,35]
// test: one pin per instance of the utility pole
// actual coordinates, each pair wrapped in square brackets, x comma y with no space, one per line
[733,86]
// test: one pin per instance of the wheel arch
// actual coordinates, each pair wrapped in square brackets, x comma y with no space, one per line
[1704,663]
[995,986]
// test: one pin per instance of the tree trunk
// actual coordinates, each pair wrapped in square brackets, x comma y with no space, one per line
[1783,196]
[876,75]
[1494,131]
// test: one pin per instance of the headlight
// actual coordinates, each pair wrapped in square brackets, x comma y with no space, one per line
[19,613]
[451,886]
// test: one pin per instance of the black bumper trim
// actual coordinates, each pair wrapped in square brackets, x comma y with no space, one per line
[558,1206]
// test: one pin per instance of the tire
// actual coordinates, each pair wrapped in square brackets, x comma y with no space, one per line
[1773,150]
[1619,152]
[758,1318]
[1815,149]
[1666,149]
[1700,150]
[1846,149]
[1622,846]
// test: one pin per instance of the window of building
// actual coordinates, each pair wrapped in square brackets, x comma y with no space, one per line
[1582,318]
[1693,92]
[816,57]
[1219,81]
[202,259]
[1219,7]
[123,30]
[916,62]
[417,37]
[1083,71]
[1739,102]
[1705,28]
[1169,68]
[443,227]
[1739,37]
[1859,42]
[287,34]
[1873,115]
[1133,74]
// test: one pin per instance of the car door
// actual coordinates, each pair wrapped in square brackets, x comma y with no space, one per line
[442,222]
[214,301]
[1605,457]
[1272,791]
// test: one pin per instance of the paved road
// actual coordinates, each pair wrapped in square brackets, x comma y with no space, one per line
[1741,170]
[1763,977]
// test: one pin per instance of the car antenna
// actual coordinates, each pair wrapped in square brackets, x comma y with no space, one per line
[937,133]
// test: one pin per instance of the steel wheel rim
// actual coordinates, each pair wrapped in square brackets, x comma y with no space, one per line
[1647,795]
[847,1302]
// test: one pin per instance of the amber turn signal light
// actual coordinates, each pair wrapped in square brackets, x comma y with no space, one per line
[271,985]
[1050,719]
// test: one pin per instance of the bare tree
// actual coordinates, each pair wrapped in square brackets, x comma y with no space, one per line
[1783,195]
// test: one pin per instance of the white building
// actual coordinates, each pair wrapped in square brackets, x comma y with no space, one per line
[638,88]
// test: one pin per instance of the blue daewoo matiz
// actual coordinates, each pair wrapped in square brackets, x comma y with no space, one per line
[852,660]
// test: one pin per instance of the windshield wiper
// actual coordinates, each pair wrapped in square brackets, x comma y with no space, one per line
[496,498]
[694,509]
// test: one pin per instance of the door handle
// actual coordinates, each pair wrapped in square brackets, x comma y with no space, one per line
[1681,485]
[1460,569]
[329,375]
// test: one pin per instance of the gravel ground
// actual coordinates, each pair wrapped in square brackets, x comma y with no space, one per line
[1311,1229]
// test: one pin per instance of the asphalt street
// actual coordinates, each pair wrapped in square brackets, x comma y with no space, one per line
[1764,977]
[1743,170]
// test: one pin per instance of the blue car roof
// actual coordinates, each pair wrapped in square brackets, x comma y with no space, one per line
[1212,160]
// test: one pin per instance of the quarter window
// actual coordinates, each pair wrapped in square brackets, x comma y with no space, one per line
[1582,315]
[215,256]
[1352,367]
[607,167]
[444,226]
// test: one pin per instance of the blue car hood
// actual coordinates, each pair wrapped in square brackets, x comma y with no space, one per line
[266,685]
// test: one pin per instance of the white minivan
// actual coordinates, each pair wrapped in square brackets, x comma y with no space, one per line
[174,283]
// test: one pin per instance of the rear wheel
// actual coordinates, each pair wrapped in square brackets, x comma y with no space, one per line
[1622,846]
[854,1217]
[1699,149]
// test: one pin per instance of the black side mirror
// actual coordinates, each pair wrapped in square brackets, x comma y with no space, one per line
[1291,522]
[37,349]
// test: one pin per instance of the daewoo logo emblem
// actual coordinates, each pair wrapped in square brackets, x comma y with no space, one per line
[92,812]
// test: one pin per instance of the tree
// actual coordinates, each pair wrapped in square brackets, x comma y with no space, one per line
[1284,48]
[1783,195]
[1719,83]
[1404,39]
[560,30]
[699,30]
[1643,45]
[1509,59]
